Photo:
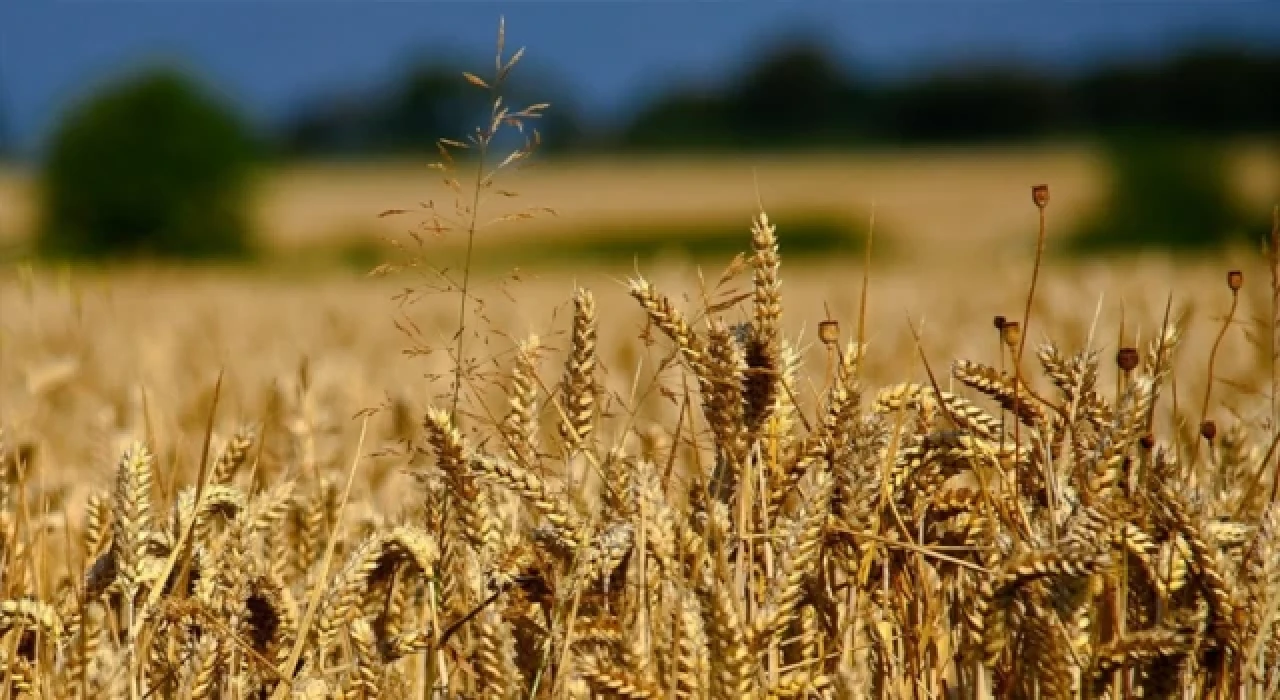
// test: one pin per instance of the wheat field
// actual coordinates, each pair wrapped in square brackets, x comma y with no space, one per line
[657,483]
[969,473]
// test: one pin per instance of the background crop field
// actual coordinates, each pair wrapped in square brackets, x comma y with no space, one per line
[932,207]
[83,348]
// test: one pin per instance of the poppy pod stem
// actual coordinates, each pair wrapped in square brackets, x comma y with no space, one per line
[1235,280]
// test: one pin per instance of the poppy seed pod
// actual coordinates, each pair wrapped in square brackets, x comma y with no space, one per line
[1209,430]
[1011,331]
[1147,441]
[1235,280]
[999,323]
[829,332]
[1127,359]
[1040,195]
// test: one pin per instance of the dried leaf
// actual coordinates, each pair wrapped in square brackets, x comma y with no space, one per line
[475,80]
[518,216]
[728,303]
[502,37]
[735,266]
[511,63]
[447,157]
[511,158]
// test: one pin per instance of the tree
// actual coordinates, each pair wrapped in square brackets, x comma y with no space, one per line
[1167,192]
[150,166]
[6,144]
[974,104]
[797,95]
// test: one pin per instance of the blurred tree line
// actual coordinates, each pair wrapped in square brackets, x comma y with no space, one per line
[799,96]
[155,165]
[1161,124]
[429,100]
[5,146]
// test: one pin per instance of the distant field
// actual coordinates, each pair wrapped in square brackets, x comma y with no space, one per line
[945,205]
[169,330]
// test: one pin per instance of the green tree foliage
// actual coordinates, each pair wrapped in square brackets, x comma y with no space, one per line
[151,166]
[973,104]
[799,95]
[795,96]
[6,137]
[427,99]
[1166,192]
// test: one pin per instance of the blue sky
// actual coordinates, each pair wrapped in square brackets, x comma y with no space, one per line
[269,56]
